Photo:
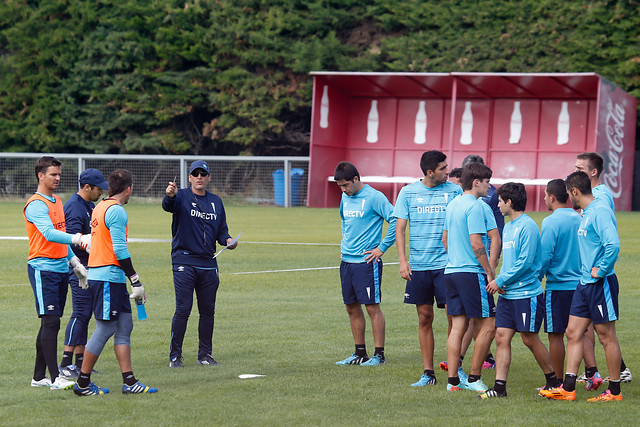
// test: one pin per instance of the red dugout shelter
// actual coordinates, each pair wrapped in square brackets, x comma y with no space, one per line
[527,127]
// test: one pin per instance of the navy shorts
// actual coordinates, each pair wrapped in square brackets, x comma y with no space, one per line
[361,282]
[109,299]
[467,295]
[557,305]
[522,315]
[425,287]
[49,290]
[597,301]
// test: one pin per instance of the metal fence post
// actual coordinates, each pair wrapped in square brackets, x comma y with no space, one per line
[287,184]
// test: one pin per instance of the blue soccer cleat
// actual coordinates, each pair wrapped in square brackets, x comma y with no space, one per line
[90,390]
[138,388]
[425,380]
[477,386]
[353,360]
[374,361]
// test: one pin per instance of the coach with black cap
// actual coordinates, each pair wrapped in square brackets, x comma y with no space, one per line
[199,221]
[77,213]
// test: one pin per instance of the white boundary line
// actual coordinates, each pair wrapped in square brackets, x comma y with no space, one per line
[141,240]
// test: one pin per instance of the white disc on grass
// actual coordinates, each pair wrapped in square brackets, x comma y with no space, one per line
[247,376]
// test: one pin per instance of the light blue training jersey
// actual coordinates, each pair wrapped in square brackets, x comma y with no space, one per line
[425,208]
[520,259]
[598,240]
[363,216]
[560,252]
[489,222]
[116,219]
[464,217]
[602,192]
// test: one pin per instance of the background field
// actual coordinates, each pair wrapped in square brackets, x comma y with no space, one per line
[290,326]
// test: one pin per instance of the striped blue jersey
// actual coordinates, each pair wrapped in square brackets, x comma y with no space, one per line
[560,252]
[425,208]
[363,216]
[598,240]
[464,217]
[602,192]
[520,259]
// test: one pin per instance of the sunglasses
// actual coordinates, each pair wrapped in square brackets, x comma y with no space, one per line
[198,172]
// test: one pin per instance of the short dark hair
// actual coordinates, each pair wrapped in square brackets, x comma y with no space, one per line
[44,162]
[515,192]
[558,189]
[456,173]
[594,160]
[119,180]
[430,160]
[474,171]
[346,171]
[472,158]
[579,180]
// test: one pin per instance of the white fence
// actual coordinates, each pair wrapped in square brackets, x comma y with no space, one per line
[237,179]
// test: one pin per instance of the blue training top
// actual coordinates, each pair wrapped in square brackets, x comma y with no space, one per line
[425,210]
[520,259]
[77,214]
[598,240]
[490,223]
[602,192]
[363,216]
[560,252]
[465,216]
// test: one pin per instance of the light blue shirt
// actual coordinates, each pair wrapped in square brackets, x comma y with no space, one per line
[363,216]
[116,219]
[598,240]
[521,253]
[602,192]
[425,208]
[464,217]
[560,252]
[489,222]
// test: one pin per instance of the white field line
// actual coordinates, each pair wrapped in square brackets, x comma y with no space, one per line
[141,240]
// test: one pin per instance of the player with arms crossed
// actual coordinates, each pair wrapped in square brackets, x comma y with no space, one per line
[520,304]
[423,206]
[596,297]
[363,211]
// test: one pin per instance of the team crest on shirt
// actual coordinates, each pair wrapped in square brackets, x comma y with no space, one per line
[420,200]
[193,205]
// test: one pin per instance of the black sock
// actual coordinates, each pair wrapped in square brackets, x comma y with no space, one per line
[490,359]
[569,382]
[79,359]
[614,387]
[67,358]
[379,351]
[84,380]
[454,381]
[49,343]
[622,365]
[589,372]
[128,378]
[473,378]
[500,386]
[430,372]
[552,380]
[361,350]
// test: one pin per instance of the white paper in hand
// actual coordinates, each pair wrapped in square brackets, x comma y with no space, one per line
[233,242]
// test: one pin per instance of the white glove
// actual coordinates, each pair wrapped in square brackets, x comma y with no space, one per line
[137,290]
[82,240]
[80,271]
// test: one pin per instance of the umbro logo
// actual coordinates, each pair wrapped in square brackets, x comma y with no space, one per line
[420,200]
[181,268]
[51,307]
[406,295]
[114,312]
[193,205]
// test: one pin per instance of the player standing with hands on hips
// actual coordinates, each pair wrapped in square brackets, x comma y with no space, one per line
[109,266]
[199,221]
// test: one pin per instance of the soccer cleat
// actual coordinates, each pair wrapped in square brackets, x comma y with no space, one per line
[138,388]
[582,378]
[374,361]
[353,360]
[61,383]
[625,376]
[451,387]
[45,382]
[477,386]
[594,382]
[490,393]
[206,360]
[463,377]
[90,390]
[425,380]
[488,365]
[558,393]
[70,372]
[606,396]
[176,362]
[444,366]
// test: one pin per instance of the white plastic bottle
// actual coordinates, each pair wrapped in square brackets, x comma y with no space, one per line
[373,123]
[466,127]
[563,124]
[421,124]
[516,124]
[324,108]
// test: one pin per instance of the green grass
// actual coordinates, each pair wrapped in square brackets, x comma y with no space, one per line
[289,326]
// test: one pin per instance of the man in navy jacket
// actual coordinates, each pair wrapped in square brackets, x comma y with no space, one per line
[199,221]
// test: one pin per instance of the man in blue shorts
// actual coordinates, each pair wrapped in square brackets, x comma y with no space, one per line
[77,213]
[109,266]
[363,211]
[520,304]
[423,205]
[467,273]
[596,297]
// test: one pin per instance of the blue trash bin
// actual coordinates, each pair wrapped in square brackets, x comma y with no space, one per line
[295,195]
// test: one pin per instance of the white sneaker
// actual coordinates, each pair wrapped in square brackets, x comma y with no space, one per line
[61,383]
[45,382]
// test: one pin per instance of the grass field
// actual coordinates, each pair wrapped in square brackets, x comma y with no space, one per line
[290,326]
